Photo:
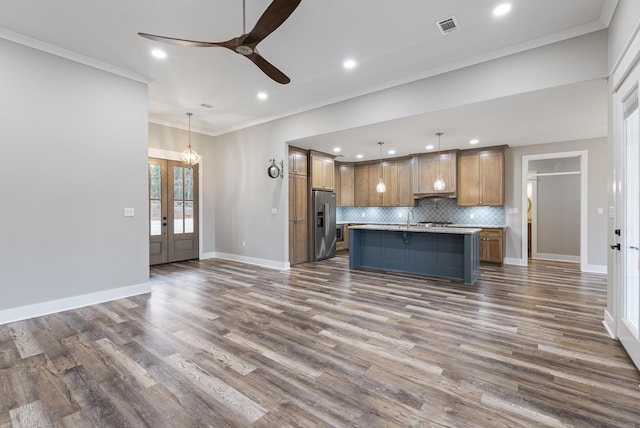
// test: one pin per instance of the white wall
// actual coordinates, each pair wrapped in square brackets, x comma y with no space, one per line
[245,196]
[74,155]
[625,22]
[597,197]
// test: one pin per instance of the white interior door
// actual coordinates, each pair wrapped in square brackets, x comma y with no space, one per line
[629,322]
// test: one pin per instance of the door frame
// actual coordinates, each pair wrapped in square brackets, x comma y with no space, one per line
[584,203]
[175,156]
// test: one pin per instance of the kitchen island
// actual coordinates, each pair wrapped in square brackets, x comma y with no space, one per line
[445,252]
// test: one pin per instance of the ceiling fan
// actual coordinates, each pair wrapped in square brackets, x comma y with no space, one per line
[245,45]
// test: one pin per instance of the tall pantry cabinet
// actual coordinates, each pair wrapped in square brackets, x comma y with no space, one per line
[298,201]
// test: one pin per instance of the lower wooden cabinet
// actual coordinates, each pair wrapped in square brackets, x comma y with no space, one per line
[492,245]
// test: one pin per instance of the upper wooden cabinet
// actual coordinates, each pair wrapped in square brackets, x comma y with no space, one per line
[297,162]
[344,183]
[361,186]
[396,175]
[322,171]
[426,167]
[397,178]
[481,177]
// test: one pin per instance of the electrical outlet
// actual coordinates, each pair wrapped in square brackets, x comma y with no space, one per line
[362,214]
[244,244]
[472,215]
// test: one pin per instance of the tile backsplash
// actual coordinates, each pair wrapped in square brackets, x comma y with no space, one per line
[426,210]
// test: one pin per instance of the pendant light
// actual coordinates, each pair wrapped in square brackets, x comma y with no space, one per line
[188,155]
[439,184]
[381,188]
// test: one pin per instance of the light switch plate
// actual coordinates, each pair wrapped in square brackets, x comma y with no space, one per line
[274,211]
[129,212]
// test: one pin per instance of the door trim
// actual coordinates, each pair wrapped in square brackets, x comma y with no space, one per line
[175,156]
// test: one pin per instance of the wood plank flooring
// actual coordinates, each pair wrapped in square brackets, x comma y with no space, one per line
[222,344]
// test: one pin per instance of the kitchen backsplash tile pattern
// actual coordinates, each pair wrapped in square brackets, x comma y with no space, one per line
[426,210]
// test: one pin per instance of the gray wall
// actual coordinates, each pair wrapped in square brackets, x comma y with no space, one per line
[74,155]
[625,21]
[558,206]
[597,186]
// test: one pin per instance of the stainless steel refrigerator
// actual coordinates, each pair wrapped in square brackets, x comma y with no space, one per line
[323,206]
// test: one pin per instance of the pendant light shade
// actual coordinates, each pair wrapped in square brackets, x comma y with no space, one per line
[188,155]
[439,184]
[381,188]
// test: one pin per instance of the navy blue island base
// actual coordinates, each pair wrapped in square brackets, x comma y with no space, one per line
[440,252]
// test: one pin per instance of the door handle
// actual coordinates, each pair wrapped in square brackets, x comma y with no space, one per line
[615,247]
[634,248]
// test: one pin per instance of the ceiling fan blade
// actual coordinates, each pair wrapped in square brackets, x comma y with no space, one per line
[277,12]
[182,42]
[268,68]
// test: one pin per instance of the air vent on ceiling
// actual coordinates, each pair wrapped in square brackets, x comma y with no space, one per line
[447,25]
[205,105]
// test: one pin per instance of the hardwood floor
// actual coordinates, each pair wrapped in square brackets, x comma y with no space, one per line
[220,344]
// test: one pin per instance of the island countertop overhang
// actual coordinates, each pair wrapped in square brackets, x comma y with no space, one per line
[419,229]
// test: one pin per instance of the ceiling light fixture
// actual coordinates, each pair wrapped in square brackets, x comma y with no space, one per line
[392,152]
[381,188]
[188,155]
[439,184]
[429,147]
[349,64]
[262,95]
[157,53]
[474,141]
[337,149]
[502,9]
[359,156]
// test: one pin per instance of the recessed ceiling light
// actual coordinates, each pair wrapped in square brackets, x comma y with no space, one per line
[392,152]
[359,156]
[157,53]
[502,10]
[474,141]
[336,149]
[429,147]
[262,95]
[349,64]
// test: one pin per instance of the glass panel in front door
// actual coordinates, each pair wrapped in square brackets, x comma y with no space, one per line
[631,256]
[183,204]
[155,199]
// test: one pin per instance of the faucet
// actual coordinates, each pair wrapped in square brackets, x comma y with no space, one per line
[410,211]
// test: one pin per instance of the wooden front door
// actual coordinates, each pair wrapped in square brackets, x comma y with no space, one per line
[173,211]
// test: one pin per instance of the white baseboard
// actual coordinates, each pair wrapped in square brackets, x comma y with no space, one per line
[595,269]
[609,324]
[53,306]
[271,264]
[515,262]
[206,256]
[556,257]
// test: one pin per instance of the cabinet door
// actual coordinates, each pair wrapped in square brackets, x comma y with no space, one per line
[469,176]
[337,182]
[300,235]
[491,245]
[429,166]
[346,185]
[361,186]
[390,178]
[492,179]
[317,175]
[375,198]
[328,174]
[405,194]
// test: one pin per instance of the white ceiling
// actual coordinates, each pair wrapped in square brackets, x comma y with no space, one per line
[393,43]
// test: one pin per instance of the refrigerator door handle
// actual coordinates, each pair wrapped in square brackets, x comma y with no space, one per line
[326,213]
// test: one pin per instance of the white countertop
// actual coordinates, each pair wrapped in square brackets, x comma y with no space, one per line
[378,223]
[419,228]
